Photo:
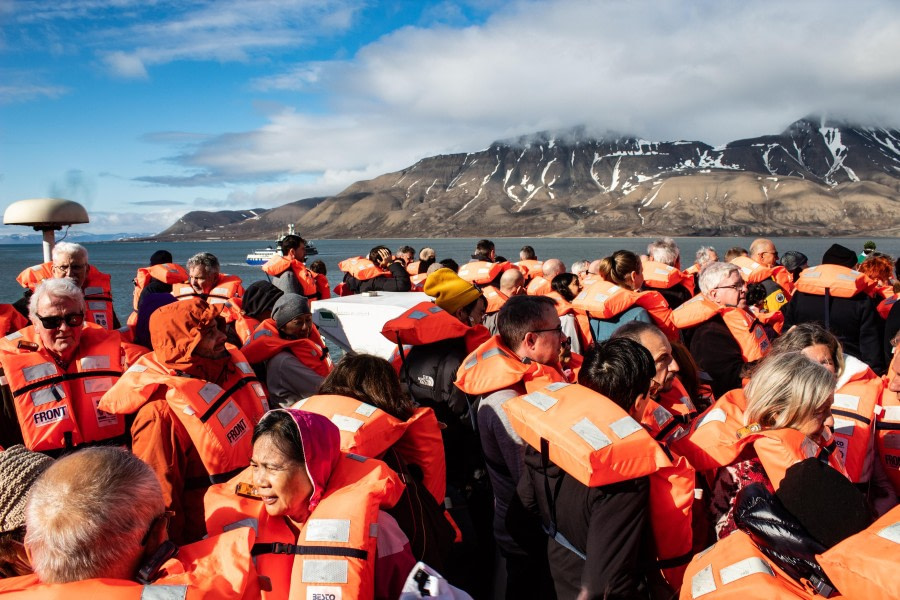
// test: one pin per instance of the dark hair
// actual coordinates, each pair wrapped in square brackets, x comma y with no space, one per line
[689,375]
[318,267]
[281,427]
[407,250]
[528,251]
[484,247]
[633,330]
[373,253]
[616,267]
[290,242]
[450,264]
[756,293]
[519,315]
[424,264]
[370,379]
[161,257]
[561,283]
[620,369]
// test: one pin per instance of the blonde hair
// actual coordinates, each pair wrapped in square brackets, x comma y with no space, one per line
[786,391]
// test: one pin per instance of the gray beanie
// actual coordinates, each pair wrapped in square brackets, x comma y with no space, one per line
[19,468]
[289,307]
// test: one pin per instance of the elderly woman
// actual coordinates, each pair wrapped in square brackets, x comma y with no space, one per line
[316,510]
[785,418]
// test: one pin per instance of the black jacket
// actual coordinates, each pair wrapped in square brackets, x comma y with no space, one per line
[718,354]
[397,282]
[608,524]
[854,321]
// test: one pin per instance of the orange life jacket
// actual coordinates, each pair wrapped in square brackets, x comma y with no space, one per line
[131,350]
[677,400]
[538,286]
[775,319]
[885,306]
[530,268]
[228,290]
[334,554]
[11,320]
[592,439]
[887,434]
[217,568]
[718,436]
[662,276]
[481,272]
[244,327]
[218,419]
[426,323]
[835,280]
[605,300]
[322,287]
[492,367]
[744,328]
[362,268]
[564,307]
[58,409]
[169,273]
[854,412]
[369,431]
[660,423]
[864,566]
[266,343]
[278,264]
[418,282]
[495,299]
[33,275]
[413,267]
[733,569]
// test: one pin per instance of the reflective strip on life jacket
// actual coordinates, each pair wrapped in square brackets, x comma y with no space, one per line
[362,268]
[840,282]
[492,367]
[266,343]
[885,306]
[864,566]
[660,275]
[481,272]
[58,409]
[887,434]
[426,323]
[854,411]
[589,436]
[744,328]
[605,300]
[530,268]
[278,264]
[538,286]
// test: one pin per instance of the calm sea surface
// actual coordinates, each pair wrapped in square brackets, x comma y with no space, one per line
[121,259]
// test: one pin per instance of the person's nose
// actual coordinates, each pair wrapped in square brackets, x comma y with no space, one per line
[673,366]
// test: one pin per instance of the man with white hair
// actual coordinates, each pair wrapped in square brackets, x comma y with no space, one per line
[580,269]
[71,261]
[723,336]
[55,372]
[662,272]
[206,281]
[96,528]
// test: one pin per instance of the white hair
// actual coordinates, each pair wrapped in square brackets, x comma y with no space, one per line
[87,514]
[580,266]
[704,255]
[207,261]
[69,250]
[712,275]
[62,287]
[664,250]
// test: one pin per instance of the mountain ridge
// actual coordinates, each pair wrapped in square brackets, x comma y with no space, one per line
[814,178]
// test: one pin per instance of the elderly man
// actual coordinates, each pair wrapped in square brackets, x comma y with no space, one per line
[71,261]
[540,285]
[580,269]
[56,370]
[287,270]
[194,404]
[763,251]
[289,351]
[512,283]
[96,528]
[723,335]
[207,282]
[526,349]
[662,272]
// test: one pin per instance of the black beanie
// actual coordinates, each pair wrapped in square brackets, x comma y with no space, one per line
[160,257]
[840,255]
[825,502]
[260,297]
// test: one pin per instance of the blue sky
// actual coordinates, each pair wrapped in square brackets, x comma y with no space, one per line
[143,110]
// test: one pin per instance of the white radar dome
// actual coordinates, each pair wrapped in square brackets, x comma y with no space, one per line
[44,213]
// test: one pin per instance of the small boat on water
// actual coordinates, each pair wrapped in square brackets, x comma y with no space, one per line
[260,257]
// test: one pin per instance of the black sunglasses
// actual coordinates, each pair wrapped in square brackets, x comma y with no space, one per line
[72,320]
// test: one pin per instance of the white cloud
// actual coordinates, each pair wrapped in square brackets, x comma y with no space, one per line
[124,65]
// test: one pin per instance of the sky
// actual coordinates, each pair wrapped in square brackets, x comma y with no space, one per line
[143,110]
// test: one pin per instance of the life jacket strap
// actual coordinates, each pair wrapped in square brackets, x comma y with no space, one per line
[281,548]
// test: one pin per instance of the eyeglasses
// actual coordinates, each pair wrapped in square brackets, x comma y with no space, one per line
[775,254]
[69,268]
[557,329]
[71,319]
[738,287]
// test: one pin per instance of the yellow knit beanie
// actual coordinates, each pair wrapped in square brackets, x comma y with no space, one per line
[449,291]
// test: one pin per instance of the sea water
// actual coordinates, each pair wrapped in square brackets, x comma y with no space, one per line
[121,259]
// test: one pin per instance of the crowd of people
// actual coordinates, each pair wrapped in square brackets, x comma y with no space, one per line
[629,427]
